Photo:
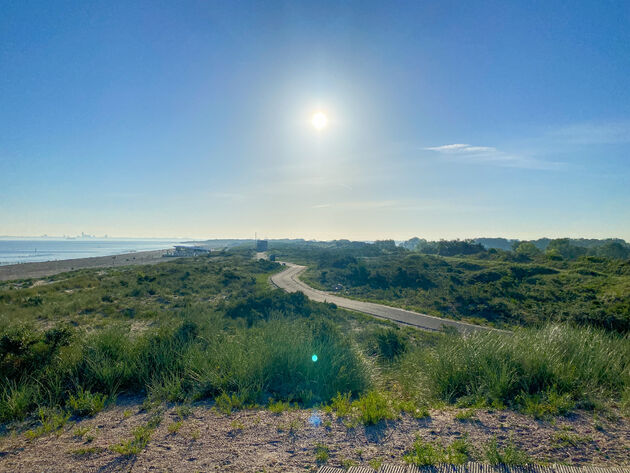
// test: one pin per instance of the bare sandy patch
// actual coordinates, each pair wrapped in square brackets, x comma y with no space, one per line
[253,440]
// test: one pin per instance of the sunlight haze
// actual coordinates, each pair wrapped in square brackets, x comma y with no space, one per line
[308,119]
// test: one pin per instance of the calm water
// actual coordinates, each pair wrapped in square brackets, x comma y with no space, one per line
[28,251]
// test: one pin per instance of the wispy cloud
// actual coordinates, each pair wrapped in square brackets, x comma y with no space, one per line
[594,133]
[490,155]
[462,148]
[356,205]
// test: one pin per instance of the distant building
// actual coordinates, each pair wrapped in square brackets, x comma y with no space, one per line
[337,287]
[262,245]
[181,250]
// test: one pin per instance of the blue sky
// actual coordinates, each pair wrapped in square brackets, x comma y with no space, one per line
[192,118]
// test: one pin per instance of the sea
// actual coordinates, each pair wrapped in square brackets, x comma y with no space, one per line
[45,249]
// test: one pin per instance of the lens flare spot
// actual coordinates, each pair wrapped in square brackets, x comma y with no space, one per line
[314,358]
[315,420]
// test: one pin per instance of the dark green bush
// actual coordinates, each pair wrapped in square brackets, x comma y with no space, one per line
[556,363]
[390,343]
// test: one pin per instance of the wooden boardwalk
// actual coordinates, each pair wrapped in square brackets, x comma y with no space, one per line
[476,468]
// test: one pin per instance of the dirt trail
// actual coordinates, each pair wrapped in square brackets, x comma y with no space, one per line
[257,440]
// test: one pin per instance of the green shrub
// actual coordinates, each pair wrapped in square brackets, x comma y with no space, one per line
[373,408]
[565,439]
[226,403]
[322,453]
[413,409]
[275,358]
[465,415]
[341,404]
[167,387]
[86,451]
[278,407]
[556,366]
[174,427]
[140,437]
[16,400]
[510,455]
[81,431]
[85,403]
[432,453]
[545,405]
[51,421]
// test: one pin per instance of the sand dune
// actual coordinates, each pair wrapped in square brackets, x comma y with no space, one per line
[48,268]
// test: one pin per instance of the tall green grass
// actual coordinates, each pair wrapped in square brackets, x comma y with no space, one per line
[201,355]
[558,364]
[199,330]
[274,359]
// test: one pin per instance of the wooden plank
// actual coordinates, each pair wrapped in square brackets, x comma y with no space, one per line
[330,469]
[389,468]
[360,469]
[475,467]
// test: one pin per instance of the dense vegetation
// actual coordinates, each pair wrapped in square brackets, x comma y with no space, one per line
[174,331]
[212,328]
[541,371]
[487,286]
[567,248]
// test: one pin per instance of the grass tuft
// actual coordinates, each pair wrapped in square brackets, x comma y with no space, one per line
[509,455]
[84,403]
[322,453]
[425,453]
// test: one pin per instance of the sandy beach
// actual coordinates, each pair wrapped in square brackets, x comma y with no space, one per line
[48,268]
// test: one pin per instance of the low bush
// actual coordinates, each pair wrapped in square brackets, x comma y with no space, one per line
[140,437]
[509,455]
[539,370]
[84,403]
[432,453]
[16,400]
[51,421]
[390,344]
[322,453]
[278,407]
[374,407]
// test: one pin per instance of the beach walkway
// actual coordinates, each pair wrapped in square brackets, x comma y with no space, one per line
[474,467]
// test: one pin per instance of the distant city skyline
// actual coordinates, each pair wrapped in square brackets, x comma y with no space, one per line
[316,120]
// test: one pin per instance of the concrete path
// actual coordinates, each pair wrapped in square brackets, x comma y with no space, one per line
[289,281]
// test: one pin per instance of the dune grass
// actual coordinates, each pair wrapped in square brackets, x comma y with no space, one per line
[542,371]
[251,346]
[212,329]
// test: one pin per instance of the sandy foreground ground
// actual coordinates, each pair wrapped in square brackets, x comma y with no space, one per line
[48,268]
[258,440]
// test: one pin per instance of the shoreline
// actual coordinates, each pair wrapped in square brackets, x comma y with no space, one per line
[49,268]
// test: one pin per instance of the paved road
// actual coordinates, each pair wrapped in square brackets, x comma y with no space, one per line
[288,280]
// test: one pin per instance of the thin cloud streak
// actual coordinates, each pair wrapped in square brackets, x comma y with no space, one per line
[368,204]
[490,155]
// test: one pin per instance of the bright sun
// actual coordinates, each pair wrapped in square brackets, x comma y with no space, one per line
[319,120]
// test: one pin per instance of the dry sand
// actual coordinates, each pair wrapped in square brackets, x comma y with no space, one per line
[257,440]
[48,268]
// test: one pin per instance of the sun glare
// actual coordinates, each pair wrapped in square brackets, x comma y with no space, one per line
[319,120]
